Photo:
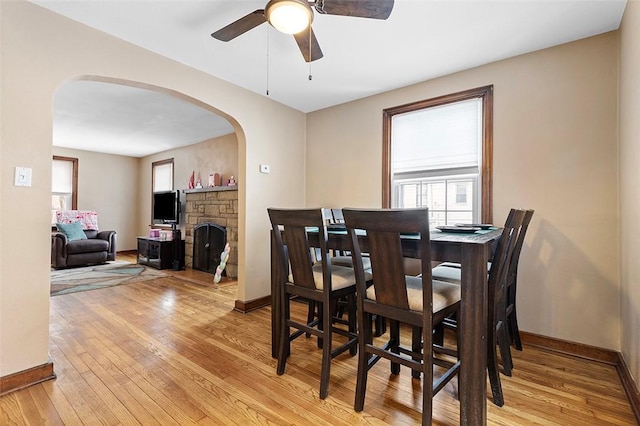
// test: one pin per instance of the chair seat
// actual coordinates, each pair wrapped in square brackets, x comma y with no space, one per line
[451,274]
[444,294]
[348,262]
[341,276]
[87,246]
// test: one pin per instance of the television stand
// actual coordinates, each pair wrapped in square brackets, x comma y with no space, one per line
[161,254]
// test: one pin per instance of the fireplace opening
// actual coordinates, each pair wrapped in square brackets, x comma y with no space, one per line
[209,240]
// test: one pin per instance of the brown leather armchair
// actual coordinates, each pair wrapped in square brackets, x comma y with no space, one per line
[99,247]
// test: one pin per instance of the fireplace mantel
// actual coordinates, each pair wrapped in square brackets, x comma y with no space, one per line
[210,189]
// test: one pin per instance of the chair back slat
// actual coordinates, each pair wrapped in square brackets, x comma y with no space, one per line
[515,257]
[388,268]
[503,255]
[299,256]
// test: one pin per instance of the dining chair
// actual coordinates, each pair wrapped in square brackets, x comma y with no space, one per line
[450,272]
[497,330]
[415,302]
[512,281]
[318,282]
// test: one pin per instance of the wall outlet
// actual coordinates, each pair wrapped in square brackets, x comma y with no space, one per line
[265,168]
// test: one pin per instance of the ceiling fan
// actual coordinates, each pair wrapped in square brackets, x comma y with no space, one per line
[295,17]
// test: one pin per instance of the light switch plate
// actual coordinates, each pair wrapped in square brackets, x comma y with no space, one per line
[23,176]
[264,168]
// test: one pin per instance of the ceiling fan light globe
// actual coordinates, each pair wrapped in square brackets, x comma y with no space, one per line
[289,16]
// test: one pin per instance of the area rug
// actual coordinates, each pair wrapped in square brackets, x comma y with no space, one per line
[72,280]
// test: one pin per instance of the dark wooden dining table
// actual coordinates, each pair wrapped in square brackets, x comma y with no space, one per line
[472,251]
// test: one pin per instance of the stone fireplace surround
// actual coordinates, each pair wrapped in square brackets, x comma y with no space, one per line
[219,205]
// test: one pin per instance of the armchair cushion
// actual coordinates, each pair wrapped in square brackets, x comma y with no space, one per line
[90,245]
[73,231]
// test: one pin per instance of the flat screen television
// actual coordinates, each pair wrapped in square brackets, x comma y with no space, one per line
[166,207]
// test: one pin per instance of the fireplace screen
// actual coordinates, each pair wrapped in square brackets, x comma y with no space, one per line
[209,240]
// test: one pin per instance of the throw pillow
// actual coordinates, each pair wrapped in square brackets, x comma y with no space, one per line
[72,230]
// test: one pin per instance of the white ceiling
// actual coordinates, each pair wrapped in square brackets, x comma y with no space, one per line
[124,120]
[421,40]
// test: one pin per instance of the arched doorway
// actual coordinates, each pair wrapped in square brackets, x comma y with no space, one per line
[119,128]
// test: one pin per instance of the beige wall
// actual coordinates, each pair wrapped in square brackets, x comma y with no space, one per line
[215,155]
[108,184]
[629,182]
[555,139]
[40,52]
[555,151]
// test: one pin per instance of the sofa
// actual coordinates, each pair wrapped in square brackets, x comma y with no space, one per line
[78,242]
[99,247]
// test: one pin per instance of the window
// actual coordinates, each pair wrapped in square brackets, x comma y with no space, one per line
[437,153]
[161,179]
[64,185]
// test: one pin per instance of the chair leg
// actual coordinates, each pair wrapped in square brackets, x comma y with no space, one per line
[427,374]
[514,331]
[505,351]
[381,325]
[492,367]
[416,349]
[325,371]
[395,343]
[285,341]
[320,321]
[364,338]
[438,334]
[353,327]
[311,315]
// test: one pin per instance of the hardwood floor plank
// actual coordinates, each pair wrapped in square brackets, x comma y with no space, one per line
[173,351]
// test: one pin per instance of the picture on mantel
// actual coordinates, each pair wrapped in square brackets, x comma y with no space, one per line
[215,179]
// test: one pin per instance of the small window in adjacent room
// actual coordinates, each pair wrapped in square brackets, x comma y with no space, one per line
[64,185]
[161,179]
[437,153]
[162,175]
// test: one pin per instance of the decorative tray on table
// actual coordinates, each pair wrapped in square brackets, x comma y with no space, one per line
[475,225]
[459,229]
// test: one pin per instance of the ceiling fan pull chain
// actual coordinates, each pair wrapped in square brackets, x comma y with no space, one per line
[310,58]
[320,6]
[267,60]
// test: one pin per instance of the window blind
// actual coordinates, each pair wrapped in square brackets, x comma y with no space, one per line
[62,177]
[163,177]
[443,137]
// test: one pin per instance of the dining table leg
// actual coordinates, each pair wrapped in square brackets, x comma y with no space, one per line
[473,328]
[276,270]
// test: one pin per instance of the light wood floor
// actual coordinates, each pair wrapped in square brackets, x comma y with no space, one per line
[172,351]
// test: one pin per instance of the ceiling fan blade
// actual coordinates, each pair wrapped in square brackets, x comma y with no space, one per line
[375,9]
[240,26]
[302,38]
